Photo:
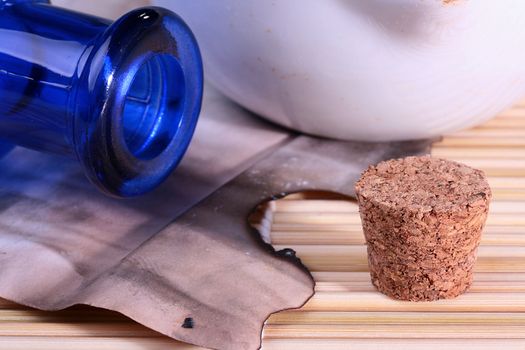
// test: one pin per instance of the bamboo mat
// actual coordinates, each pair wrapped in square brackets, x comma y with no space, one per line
[346,312]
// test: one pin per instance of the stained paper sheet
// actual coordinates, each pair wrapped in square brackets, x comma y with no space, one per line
[184,251]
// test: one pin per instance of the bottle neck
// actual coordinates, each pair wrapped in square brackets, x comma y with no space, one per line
[41,51]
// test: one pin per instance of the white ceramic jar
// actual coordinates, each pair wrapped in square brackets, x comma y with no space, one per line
[372,70]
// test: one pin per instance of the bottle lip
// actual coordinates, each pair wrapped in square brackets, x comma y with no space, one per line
[105,77]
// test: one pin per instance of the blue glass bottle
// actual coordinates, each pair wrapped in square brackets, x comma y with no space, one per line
[122,97]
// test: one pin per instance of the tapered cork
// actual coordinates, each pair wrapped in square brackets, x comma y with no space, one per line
[422,219]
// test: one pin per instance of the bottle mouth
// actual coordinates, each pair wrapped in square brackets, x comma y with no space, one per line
[153,106]
[138,102]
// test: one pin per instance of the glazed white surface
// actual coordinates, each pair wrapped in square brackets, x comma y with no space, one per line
[364,70]
[102,8]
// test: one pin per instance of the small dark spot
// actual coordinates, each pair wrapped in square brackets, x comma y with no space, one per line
[287,252]
[188,323]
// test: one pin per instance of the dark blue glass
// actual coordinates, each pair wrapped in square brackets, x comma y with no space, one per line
[122,97]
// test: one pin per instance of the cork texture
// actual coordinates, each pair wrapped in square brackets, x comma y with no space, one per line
[422,219]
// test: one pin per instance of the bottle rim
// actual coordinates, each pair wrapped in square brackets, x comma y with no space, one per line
[115,159]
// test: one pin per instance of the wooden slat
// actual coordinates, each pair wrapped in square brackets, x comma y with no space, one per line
[377,302]
[487,142]
[393,318]
[491,133]
[393,344]
[454,153]
[502,123]
[400,331]
[484,282]
[516,113]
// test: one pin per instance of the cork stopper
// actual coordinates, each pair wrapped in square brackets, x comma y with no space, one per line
[422,219]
